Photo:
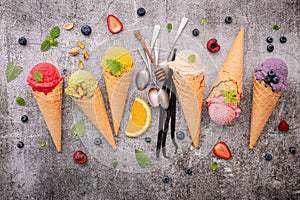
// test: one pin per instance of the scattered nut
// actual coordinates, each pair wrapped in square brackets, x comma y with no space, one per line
[86,55]
[80,64]
[80,44]
[74,51]
[68,26]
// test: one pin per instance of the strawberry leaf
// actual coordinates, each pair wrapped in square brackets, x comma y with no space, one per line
[229,97]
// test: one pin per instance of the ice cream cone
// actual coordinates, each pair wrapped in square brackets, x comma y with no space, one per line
[117,88]
[230,76]
[190,92]
[51,108]
[94,108]
[263,103]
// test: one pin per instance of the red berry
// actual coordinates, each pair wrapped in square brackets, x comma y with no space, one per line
[213,46]
[222,150]
[80,157]
[114,24]
[283,126]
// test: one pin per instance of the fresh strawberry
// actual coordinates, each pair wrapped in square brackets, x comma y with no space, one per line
[283,126]
[80,157]
[222,150]
[114,24]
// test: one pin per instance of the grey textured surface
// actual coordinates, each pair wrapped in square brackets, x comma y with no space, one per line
[41,173]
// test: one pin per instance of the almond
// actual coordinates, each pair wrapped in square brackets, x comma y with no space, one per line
[68,26]
[74,51]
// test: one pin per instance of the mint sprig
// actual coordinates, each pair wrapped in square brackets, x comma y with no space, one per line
[141,158]
[169,27]
[230,97]
[192,58]
[214,166]
[115,67]
[50,39]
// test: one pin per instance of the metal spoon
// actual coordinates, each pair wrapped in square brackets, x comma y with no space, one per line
[163,97]
[143,76]
[159,72]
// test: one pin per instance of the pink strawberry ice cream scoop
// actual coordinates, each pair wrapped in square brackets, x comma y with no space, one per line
[44,77]
[220,111]
[274,72]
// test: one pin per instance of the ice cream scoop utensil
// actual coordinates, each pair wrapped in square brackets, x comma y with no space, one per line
[159,72]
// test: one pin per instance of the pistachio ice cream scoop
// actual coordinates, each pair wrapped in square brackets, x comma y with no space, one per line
[81,83]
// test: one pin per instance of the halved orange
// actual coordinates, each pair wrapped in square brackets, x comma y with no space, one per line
[140,118]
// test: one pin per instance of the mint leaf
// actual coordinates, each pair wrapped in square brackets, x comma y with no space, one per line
[115,163]
[55,43]
[276,27]
[223,92]
[38,76]
[192,58]
[49,38]
[55,32]
[20,101]
[169,27]
[203,20]
[78,129]
[114,66]
[141,158]
[45,46]
[12,71]
[214,166]
[229,97]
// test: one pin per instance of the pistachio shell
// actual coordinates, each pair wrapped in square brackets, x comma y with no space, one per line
[68,26]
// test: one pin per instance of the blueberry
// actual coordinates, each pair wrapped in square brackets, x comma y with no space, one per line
[166,179]
[282,39]
[228,20]
[195,32]
[292,150]
[86,30]
[271,73]
[269,39]
[275,80]
[188,171]
[268,156]
[24,118]
[97,141]
[20,145]
[148,139]
[22,41]
[180,135]
[270,47]
[141,12]
[267,79]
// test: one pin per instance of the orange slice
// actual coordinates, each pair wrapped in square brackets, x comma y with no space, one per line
[140,118]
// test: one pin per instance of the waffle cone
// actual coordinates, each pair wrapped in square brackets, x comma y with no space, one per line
[50,106]
[94,108]
[117,88]
[263,103]
[230,76]
[190,92]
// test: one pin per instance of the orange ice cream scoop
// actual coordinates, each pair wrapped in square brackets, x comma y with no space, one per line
[49,77]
